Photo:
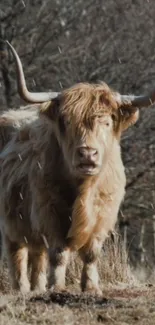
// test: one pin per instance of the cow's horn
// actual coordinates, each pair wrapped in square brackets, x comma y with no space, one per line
[139,101]
[22,88]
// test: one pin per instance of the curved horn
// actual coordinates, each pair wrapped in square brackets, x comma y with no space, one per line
[22,88]
[139,101]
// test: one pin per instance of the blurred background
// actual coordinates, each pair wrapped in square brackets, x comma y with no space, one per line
[62,42]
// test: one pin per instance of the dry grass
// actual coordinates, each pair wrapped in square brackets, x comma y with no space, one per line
[4,279]
[114,267]
[118,306]
[122,303]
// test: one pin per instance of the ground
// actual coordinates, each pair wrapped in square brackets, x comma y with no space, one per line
[125,300]
[121,306]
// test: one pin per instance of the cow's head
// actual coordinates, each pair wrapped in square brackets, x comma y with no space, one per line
[87,120]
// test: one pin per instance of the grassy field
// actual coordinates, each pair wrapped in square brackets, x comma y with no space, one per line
[125,300]
[118,305]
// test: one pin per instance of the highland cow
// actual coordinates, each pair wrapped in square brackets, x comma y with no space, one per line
[62,180]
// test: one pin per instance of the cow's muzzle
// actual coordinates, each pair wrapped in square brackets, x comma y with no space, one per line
[87,160]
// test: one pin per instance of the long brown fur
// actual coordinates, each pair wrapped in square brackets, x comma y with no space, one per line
[45,205]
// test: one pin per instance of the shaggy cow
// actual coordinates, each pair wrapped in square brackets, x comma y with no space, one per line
[62,180]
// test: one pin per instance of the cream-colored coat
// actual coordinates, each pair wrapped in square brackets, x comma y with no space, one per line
[46,208]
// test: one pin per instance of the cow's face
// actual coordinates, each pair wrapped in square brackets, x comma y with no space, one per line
[87,122]
[86,144]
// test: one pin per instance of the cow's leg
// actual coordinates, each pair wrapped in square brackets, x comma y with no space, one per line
[58,263]
[39,264]
[18,264]
[89,255]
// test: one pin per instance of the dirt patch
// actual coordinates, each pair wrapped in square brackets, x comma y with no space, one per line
[75,300]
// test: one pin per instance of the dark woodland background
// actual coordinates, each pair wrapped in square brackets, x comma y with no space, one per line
[62,42]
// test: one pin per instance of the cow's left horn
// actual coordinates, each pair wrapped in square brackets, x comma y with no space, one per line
[22,88]
[139,101]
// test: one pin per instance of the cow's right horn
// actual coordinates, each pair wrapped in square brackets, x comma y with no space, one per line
[139,101]
[22,88]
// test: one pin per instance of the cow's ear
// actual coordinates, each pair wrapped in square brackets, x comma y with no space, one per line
[50,109]
[128,116]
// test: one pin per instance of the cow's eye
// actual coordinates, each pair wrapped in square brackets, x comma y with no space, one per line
[107,122]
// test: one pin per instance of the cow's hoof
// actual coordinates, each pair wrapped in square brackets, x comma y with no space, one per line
[39,289]
[57,288]
[93,291]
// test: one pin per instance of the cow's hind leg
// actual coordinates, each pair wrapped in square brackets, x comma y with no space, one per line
[17,256]
[39,264]
[58,263]
[90,278]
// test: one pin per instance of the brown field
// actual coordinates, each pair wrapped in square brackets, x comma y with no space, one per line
[125,299]
[117,306]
